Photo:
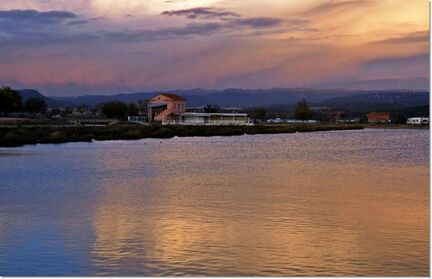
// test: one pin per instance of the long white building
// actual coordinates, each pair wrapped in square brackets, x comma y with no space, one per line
[170,109]
[202,118]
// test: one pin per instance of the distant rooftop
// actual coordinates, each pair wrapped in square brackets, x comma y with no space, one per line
[174,97]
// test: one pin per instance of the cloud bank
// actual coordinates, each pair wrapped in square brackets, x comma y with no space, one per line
[105,46]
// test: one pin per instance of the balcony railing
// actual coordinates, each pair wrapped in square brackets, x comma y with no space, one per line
[138,119]
[209,123]
[94,121]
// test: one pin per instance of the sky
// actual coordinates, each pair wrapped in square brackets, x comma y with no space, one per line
[64,47]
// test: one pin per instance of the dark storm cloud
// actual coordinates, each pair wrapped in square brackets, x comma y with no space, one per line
[234,18]
[415,37]
[30,23]
[164,33]
[17,27]
[233,21]
[200,12]
[77,22]
[257,22]
[36,28]
[198,29]
[35,17]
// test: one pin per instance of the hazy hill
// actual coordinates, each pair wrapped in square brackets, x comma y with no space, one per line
[278,99]
[415,83]
[31,93]
[379,101]
[223,98]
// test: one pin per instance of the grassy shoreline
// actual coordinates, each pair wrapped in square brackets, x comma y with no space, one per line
[19,136]
[395,126]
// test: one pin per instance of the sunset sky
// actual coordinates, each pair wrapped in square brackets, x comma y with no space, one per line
[64,47]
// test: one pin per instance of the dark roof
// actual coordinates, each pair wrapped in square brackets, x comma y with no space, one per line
[174,97]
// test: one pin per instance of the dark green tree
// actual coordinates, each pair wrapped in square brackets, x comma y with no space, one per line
[115,109]
[142,106]
[132,109]
[211,108]
[82,108]
[302,111]
[55,111]
[259,114]
[10,100]
[399,119]
[67,110]
[35,105]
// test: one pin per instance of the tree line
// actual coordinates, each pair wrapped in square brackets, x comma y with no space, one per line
[302,111]
[11,101]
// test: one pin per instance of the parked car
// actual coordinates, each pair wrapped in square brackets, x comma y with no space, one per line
[275,120]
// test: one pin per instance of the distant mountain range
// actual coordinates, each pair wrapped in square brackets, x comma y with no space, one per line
[32,93]
[356,100]
[386,101]
[415,83]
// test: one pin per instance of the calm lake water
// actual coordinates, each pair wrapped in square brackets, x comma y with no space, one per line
[324,203]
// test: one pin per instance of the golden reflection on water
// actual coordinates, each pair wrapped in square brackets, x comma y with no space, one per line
[268,217]
[327,203]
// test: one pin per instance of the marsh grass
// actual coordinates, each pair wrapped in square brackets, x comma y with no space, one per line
[19,136]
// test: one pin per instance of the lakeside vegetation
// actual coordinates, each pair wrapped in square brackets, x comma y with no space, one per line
[30,121]
[13,137]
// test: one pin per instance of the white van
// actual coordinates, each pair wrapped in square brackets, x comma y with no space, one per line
[418,121]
